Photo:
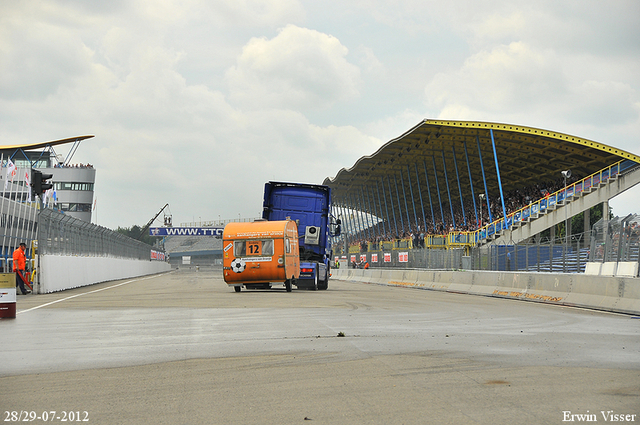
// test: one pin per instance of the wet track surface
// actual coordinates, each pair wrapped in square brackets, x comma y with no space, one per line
[182,347]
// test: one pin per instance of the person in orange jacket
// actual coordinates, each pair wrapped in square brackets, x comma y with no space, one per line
[19,265]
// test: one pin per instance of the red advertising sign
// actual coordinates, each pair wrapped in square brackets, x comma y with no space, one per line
[387,257]
[374,258]
[403,257]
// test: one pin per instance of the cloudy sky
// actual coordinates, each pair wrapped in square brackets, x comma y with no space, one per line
[198,103]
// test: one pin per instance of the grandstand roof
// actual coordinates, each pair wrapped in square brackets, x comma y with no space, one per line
[526,156]
[39,145]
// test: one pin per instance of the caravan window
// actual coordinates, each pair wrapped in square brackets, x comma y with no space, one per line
[262,247]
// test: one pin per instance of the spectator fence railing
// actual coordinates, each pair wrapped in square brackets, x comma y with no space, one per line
[60,234]
[551,201]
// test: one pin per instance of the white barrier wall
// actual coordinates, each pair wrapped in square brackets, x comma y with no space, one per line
[60,272]
[617,294]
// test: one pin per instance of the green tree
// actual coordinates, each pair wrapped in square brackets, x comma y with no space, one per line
[134,233]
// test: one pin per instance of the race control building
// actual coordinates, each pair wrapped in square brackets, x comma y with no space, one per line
[73,184]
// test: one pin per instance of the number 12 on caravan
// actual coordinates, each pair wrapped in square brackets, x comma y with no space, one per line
[254,248]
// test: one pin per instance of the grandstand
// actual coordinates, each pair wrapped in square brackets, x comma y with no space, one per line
[468,184]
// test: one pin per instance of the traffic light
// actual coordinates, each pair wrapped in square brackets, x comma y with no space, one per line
[39,182]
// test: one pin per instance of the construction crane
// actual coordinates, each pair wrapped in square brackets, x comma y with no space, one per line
[146,227]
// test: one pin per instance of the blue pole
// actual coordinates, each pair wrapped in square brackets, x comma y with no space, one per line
[345,230]
[433,159]
[446,180]
[374,227]
[395,180]
[426,179]
[404,195]
[486,192]
[384,229]
[473,196]
[393,210]
[413,201]
[495,156]
[368,215]
[363,214]
[424,219]
[344,219]
[455,164]
[359,226]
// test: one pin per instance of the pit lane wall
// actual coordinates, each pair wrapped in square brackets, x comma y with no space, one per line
[615,294]
[60,272]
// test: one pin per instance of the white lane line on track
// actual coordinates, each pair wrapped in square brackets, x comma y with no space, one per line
[84,293]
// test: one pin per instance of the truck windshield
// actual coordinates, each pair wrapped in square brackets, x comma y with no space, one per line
[257,247]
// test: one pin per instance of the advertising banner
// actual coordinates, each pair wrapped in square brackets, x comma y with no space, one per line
[186,231]
[158,255]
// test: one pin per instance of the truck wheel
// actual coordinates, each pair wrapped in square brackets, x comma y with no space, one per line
[315,281]
[237,288]
[324,284]
[287,285]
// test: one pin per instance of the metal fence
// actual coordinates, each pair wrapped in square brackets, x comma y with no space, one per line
[18,216]
[558,256]
[616,240]
[65,235]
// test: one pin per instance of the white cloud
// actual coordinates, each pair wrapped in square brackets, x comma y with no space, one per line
[518,81]
[507,77]
[298,69]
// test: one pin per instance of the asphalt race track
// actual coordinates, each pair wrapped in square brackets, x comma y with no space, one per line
[183,348]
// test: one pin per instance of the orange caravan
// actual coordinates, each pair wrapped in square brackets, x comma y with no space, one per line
[261,253]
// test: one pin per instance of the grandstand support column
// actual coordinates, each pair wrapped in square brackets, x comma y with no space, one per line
[344,220]
[435,174]
[426,179]
[587,227]
[384,230]
[365,219]
[348,211]
[363,214]
[404,195]
[605,227]
[352,213]
[415,215]
[473,196]
[484,179]
[371,213]
[356,213]
[495,157]
[538,237]
[393,210]
[424,219]
[446,180]
[395,180]
[455,165]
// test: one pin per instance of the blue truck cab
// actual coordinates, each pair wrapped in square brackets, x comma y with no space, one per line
[309,206]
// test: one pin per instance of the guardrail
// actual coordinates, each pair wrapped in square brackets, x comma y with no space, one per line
[551,201]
